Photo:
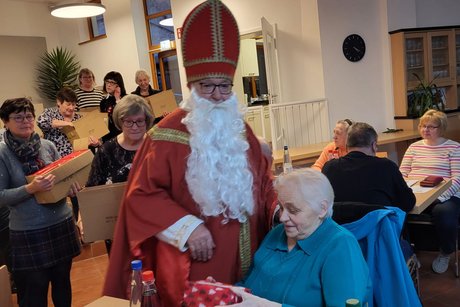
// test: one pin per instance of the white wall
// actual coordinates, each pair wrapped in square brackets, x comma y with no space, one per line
[355,90]
[119,51]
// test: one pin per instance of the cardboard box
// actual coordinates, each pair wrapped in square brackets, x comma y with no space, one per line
[162,102]
[80,144]
[109,301]
[92,123]
[99,210]
[38,111]
[69,169]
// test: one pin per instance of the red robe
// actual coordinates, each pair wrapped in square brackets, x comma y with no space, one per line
[157,196]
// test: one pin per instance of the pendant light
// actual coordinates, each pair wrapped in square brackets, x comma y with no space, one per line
[77,10]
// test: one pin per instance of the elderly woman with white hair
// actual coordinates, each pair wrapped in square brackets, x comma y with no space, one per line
[144,89]
[308,260]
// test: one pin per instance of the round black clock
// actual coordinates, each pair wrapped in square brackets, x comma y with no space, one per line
[354,47]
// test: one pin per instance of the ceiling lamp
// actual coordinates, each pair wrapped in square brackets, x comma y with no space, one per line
[77,10]
[168,22]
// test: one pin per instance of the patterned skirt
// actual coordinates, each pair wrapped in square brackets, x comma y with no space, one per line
[43,248]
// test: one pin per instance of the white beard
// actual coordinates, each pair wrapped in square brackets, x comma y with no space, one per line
[218,175]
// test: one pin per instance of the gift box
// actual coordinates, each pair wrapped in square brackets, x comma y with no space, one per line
[92,123]
[99,210]
[207,294]
[162,102]
[69,169]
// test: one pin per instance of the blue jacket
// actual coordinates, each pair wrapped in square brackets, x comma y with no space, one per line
[378,234]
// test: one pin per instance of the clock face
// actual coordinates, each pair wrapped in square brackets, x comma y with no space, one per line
[354,47]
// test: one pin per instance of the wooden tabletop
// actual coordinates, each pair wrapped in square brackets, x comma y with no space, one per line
[313,151]
[427,198]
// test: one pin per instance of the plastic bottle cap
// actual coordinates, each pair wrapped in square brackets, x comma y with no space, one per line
[136,265]
[285,147]
[352,302]
[147,276]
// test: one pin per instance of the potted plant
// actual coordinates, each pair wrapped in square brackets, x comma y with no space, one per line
[423,97]
[55,70]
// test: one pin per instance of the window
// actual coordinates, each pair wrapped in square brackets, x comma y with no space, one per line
[163,63]
[96,26]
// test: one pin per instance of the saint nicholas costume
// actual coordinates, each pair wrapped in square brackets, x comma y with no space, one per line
[157,194]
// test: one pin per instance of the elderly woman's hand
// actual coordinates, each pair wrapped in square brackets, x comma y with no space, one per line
[74,188]
[251,300]
[41,184]
[94,141]
[201,244]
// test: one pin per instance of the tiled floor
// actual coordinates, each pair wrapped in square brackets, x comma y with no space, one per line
[437,290]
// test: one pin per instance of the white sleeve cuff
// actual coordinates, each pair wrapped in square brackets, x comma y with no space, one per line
[178,233]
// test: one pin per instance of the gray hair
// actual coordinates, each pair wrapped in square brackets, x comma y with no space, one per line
[140,73]
[311,186]
[361,135]
[131,105]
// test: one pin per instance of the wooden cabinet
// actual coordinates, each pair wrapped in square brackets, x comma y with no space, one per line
[254,118]
[432,55]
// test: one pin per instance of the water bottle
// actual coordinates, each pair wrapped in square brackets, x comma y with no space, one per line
[287,163]
[149,290]
[136,284]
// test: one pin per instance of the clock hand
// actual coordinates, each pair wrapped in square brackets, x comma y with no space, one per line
[357,50]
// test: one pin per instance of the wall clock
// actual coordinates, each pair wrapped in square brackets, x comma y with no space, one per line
[354,47]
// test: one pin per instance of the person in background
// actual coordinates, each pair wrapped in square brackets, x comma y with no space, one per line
[87,95]
[435,155]
[308,260]
[337,148]
[144,89]
[113,160]
[43,237]
[360,176]
[52,120]
[115,89]
[199,198]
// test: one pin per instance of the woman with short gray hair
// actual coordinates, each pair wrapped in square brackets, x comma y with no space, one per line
[308,260]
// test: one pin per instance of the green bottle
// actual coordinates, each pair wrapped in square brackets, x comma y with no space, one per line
[352,302]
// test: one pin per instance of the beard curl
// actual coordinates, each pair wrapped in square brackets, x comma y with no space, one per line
[218,173]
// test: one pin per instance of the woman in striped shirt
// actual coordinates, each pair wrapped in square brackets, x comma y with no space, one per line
[436,155]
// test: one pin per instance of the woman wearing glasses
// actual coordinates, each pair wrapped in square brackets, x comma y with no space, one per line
[337,148]
[436,155]
[43,237]
[112,162]
[87,95]
[115,89]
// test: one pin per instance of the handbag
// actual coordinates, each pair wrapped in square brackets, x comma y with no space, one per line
[431,181]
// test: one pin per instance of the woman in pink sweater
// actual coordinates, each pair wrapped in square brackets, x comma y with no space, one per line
[436,155]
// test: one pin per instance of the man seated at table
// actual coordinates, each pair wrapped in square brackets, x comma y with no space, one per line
[362,177]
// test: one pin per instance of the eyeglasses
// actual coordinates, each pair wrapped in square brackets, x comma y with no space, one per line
[429,127]
[129,123]
[20,118]
[209,88]
[111,82]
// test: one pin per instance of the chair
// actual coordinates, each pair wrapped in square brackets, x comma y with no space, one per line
[5,288]
[378,232]
[424,220]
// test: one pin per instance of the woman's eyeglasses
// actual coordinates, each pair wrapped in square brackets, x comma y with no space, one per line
[429,127]
[20,118]
[130,123]
[111,82]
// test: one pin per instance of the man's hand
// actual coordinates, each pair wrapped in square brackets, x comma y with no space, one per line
[201,244]
[74,188]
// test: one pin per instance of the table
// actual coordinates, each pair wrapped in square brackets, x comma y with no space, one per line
[108,301]
[309,153]
[427,198]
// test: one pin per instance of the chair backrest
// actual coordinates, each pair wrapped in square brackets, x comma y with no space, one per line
[382,154]
[378,234]
[5,288]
